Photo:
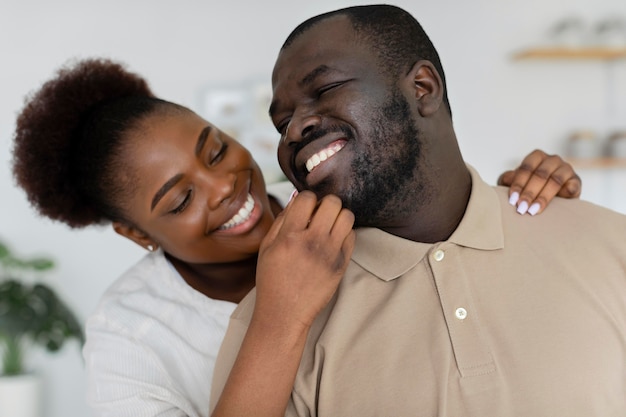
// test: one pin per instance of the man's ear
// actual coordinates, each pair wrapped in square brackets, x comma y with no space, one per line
[134,234]
[427,86]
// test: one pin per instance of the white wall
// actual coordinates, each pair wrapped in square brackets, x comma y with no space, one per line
[502,109]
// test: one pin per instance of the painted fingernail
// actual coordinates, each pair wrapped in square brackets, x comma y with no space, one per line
[534,209]
[293,195]
[522,208]
[513,198]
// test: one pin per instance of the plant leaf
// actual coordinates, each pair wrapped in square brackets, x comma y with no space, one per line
[40,264]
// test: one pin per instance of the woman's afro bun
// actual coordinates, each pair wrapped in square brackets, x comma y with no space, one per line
[49,126]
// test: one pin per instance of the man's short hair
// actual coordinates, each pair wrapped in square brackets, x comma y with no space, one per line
[395,35]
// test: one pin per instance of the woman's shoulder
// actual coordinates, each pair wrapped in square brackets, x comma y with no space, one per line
[132,293]
[152,269]
[153,290]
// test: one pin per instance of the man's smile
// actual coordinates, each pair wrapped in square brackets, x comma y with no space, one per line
[324,154]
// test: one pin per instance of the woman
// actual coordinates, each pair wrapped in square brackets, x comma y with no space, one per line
[94,146]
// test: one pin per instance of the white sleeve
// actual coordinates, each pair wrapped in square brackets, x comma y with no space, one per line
[125,378]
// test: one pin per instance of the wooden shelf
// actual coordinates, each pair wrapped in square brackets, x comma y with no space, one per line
[600,53]
[589,53]
[598,163]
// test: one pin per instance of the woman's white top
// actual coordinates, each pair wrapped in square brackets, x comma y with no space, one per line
[152,341]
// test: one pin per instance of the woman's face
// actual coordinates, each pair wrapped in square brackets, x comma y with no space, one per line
[198,193]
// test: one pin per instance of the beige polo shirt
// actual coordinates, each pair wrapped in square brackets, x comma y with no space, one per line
[512,316]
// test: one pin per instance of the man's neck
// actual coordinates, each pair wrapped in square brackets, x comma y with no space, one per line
[436,221]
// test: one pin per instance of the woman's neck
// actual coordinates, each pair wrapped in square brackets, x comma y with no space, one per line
[229,281]
[224,281]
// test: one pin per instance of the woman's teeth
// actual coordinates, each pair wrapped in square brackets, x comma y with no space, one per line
[323,155]
[242,215]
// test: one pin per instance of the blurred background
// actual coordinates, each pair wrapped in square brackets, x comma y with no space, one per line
[522,74]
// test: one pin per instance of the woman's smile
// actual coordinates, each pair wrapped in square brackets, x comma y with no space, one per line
[245,219]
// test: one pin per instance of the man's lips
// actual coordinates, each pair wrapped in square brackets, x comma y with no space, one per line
[324,154]
[319,157]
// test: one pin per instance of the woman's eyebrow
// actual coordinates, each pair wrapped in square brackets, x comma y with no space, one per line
[164,189]
[202,138]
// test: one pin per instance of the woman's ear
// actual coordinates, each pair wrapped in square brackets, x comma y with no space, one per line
[427,86]
[136,235]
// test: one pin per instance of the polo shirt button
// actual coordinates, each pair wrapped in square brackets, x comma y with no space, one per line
[460,313]
[438,255]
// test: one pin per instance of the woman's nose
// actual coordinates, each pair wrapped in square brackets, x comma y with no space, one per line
[221,186]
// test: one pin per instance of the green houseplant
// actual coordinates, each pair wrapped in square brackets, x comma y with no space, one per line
[31,313]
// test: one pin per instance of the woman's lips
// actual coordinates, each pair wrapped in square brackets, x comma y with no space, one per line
[245,219]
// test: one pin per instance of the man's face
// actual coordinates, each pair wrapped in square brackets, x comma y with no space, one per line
[346,128]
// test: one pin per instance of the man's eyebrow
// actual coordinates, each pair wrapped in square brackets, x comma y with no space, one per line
[306,80]
[273,107]
[204,134]
[311,76]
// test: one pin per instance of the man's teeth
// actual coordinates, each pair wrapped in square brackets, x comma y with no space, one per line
[242,215]
[323,155]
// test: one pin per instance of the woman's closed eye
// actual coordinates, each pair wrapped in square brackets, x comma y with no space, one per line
[184,203]
[215,157]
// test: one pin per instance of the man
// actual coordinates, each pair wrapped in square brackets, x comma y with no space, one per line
[453,305]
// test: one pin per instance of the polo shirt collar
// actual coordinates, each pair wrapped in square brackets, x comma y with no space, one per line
[388,256]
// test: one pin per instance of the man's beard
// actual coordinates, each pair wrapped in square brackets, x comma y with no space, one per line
[384,172]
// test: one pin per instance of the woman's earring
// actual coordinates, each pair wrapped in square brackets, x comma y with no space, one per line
[150,248]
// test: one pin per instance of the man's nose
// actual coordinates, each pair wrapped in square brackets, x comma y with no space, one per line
[299,127]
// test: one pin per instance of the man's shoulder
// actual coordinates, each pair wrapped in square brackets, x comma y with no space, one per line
[237,328]
[566,218]
[243,312]
[569,206]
